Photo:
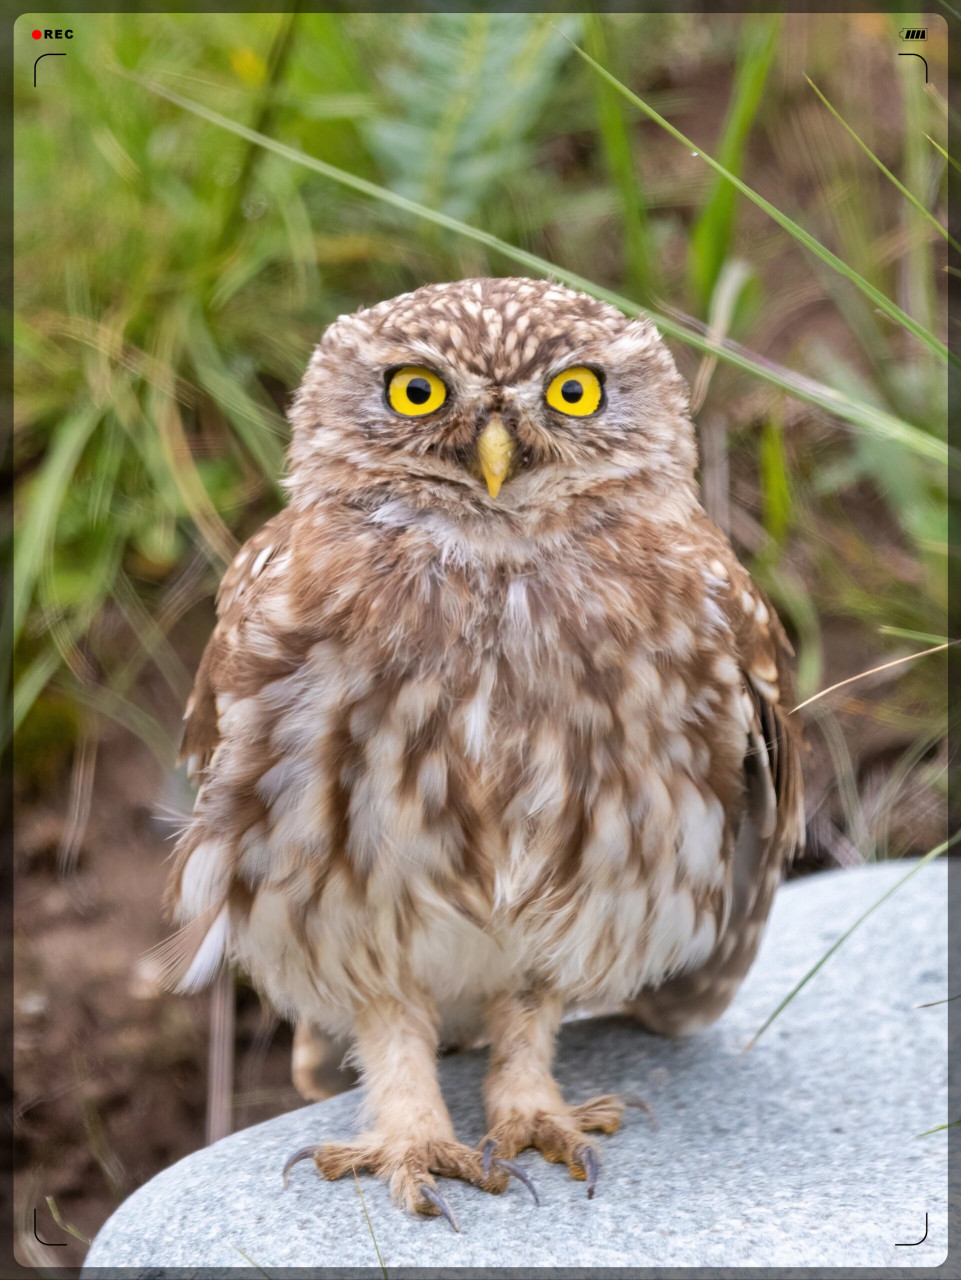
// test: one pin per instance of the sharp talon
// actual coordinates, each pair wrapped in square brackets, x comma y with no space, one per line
[589,1160]
[632,1100]
[487,1152]
[305,1153]
[518,1173]
[436,1199]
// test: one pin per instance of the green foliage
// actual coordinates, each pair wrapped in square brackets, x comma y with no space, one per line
[206,191]
[616,140]
[490,77]
[775,482]
[794,229]
[845,407]
[713,231]
[912,199]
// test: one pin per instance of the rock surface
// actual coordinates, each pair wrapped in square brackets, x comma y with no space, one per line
[802,1153]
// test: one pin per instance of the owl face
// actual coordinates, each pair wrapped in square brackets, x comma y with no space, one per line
[491,395]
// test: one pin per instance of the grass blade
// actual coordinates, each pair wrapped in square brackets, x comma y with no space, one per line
[775,481]
[928,857]
[29,688]
[732,281]
[938,1128]
[865,416]
[250,1259]
[909,196]
[922,637]
[711,237]
[950,159]
[820,251]
[46,498]
[618,155]
[370,1228]
[915,274]
[256,423]
[64,1226]
[111,704]
[895,662]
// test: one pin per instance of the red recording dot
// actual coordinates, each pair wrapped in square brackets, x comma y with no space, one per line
[37,35]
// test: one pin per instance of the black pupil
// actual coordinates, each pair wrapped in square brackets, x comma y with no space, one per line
[418,391]
[572,391]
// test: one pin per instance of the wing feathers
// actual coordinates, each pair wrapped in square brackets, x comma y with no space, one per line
[771,829]
[191,957]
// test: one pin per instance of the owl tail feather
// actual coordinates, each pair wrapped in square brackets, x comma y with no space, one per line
[190,958]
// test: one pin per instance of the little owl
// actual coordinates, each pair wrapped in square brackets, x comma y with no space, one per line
[492,725]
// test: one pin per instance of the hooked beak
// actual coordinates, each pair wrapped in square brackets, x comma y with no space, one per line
[495,452]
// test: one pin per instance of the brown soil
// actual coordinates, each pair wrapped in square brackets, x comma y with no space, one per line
[110,1070]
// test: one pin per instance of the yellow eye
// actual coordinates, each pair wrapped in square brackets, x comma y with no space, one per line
[415,391]
[576,392]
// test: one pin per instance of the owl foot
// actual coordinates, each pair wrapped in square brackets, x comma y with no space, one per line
[559,1137]
[407,1168]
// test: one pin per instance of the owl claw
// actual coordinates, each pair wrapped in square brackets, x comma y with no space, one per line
[513,1168]
[305,1153]
[487,1152]
[632,1100]
[434,1197]
[589,1162]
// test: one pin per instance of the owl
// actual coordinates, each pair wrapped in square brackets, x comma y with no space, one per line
[492,726]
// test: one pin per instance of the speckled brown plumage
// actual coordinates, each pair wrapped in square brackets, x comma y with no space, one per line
[468,762]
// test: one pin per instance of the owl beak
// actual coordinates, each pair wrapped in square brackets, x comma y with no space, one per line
[495,451]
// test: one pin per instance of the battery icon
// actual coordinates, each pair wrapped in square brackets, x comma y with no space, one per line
[913,33]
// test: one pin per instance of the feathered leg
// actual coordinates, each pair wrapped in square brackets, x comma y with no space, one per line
[411,1137]
[524,1104]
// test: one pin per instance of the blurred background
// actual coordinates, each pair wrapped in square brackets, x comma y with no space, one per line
[171,279]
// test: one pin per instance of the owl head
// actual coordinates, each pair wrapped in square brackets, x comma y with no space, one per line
[491,398]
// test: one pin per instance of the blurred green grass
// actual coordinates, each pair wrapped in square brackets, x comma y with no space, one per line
[172,278]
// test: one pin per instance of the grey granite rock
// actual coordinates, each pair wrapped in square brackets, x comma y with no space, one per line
[802,1153]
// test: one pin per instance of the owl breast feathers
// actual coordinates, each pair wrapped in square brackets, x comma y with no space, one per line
[491,708]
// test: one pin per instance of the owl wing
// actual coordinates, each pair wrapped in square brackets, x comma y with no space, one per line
[239,587]
[189,958]
[771,828]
